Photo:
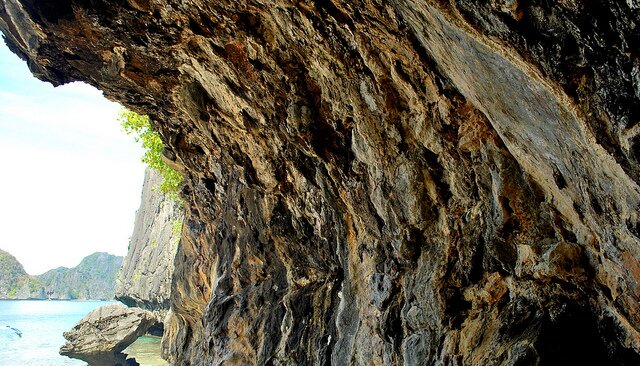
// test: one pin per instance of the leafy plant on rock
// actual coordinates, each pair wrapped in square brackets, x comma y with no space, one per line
[140,127]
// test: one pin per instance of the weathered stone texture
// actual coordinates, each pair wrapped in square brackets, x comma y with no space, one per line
[144,280]
[403,182]
[101,336]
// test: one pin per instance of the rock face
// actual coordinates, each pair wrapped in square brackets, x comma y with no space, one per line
[145,277]
[104,333]
[93,279]
[403,182]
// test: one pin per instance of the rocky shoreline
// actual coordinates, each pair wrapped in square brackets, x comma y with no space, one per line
[143,284]
[101,336]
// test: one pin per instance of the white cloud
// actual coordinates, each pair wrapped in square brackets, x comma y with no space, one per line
[59,207]
[70,180]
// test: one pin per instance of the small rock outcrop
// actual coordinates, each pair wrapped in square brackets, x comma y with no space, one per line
[101,336]
[144,280]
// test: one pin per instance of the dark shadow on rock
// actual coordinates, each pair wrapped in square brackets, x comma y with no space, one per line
[112,359]
[156,330]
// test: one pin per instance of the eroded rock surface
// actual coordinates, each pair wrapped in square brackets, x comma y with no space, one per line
[101,336]
[403,182]
[145,277]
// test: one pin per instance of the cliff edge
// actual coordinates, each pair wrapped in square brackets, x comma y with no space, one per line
[144,280]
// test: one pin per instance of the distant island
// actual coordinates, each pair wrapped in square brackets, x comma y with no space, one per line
[93,279]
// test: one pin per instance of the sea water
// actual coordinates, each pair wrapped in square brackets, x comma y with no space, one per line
[42,324]
[146,351]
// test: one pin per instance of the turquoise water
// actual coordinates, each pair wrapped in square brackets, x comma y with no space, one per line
[42,324]
[146,351]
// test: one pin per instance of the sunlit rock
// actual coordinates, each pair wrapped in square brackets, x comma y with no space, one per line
[101,336]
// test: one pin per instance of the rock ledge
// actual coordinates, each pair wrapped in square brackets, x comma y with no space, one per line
[101,336]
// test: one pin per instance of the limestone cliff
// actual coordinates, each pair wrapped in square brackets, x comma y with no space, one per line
[401,182]
[144,280]
[94,278]
[15,283]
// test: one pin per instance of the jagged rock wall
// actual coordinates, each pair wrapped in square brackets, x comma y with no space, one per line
[144,280]
[403,182]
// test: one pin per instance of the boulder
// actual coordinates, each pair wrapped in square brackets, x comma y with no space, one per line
[101,336]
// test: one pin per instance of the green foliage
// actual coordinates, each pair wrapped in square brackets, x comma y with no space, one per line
[93,278]
[34,285]
[72,294]
[137,276]
[176,229]
[142,131]
[14,281]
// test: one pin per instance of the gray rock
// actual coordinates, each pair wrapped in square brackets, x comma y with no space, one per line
[101,336]
[145,277]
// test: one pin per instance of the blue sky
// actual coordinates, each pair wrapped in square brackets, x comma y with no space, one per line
[70,179]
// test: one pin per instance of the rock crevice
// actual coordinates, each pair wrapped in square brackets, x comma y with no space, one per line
[380,183]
